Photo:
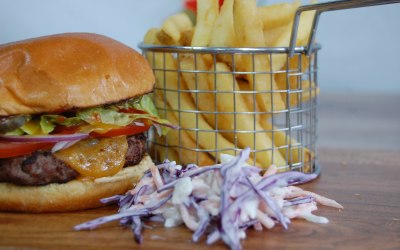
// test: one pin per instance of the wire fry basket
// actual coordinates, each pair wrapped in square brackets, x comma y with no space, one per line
[226,99]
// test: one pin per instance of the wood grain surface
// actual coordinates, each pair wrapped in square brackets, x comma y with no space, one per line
[366,183]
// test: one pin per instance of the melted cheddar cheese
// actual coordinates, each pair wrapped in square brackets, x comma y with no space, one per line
[100,128]
[96,157]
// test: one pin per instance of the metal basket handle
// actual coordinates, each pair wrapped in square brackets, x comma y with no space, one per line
[323,7]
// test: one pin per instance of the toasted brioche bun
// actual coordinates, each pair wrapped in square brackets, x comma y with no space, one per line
[70,196]
[67,71]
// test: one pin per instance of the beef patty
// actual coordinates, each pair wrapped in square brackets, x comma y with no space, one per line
[41,167]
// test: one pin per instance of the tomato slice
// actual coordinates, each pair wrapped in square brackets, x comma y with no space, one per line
[127,130]
[133,111]
[65,130]
[192,4]
[12,149]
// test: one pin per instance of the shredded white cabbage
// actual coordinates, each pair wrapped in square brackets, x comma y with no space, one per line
[223,199]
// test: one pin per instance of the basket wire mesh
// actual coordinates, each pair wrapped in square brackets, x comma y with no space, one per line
[224,113]
[211,106]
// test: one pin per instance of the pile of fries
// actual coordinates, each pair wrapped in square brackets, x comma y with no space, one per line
[226,101]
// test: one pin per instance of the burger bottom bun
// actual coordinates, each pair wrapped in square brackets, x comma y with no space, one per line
[73,195]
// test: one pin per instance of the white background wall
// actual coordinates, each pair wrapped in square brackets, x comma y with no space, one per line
[361,47]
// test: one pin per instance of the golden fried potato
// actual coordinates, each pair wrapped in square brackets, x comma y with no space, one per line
[174,29]
[246,132]
[199,91]
[207,12]
[276,15]
[250,34]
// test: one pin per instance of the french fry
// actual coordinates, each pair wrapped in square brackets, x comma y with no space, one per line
[166,152]
[245,17]
[186,38]
[228,102]
[289,80]
[205,103]
[208,59]
[276,15]
[197,82]
[289,147]
[279,36]
[182,101]
[302,91]
[272,36]
[304,30]
[169,153]
[223,33]
[247,25]
[173,27]
[165,38]
[182,22]
[190,120]
[157,61]
[151,36]
[305,25]
[180,138]
[207,140]
[161,61]
[281,139]
[207,12]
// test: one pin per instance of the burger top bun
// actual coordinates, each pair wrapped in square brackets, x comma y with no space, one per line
[67,71]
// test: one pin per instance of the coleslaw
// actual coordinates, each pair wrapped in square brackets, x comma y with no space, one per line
[218,202]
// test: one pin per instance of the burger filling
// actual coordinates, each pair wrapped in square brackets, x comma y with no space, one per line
[89,143]
[42,167]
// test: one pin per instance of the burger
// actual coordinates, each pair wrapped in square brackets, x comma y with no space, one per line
[74,109]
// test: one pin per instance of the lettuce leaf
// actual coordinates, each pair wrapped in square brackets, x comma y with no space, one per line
[49,122]
[17,131]
[46,123]
[108,116]
[111,114]
[143,103]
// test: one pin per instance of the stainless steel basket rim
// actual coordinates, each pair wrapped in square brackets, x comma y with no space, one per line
[188,49]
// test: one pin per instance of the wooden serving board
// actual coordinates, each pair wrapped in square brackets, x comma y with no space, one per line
[366,183]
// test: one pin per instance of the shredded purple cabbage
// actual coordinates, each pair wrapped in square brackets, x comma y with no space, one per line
[189,173]
[137,229]
[299,200]
[220,211]
[269,201]
[204,220]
